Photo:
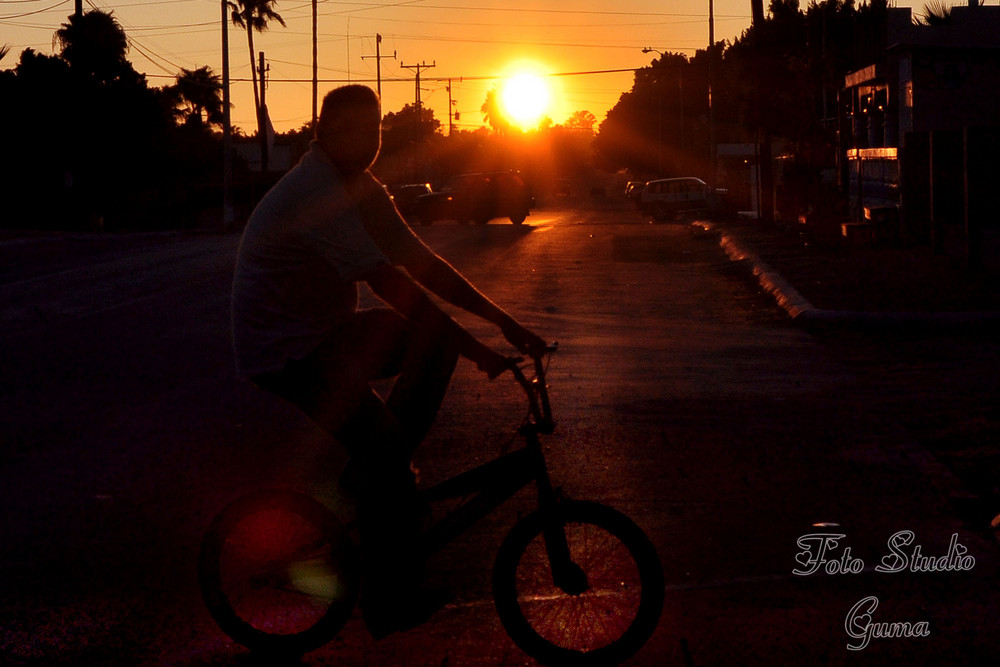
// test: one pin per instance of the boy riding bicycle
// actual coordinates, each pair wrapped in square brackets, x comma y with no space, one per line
[297,331]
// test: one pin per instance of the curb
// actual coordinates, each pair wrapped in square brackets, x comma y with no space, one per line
[803,312]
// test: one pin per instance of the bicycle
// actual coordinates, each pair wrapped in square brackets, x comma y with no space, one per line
[574,582]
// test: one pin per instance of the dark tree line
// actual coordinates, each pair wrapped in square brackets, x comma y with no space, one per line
[90,144]
[90,141]
[414,149]
[778,79]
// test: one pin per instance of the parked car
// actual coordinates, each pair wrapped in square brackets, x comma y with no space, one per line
[633,191]
[405,195]
[477,198]
[667,198]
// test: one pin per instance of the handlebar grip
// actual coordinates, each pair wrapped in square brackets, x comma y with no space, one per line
[514,362]
[547,349]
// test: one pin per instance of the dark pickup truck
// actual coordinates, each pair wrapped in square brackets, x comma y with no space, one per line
[477,198]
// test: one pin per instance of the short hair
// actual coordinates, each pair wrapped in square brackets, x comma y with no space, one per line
[340,99]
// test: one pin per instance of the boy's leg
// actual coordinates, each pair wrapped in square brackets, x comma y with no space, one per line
[380,343]
[380,442]
[424,375]
[388,521]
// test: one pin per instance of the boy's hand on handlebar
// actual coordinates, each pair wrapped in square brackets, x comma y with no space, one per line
[490,362]
[525,341]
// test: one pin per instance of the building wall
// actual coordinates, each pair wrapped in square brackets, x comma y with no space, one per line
[951,89]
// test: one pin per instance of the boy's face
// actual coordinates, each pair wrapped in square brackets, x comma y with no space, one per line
[355,139]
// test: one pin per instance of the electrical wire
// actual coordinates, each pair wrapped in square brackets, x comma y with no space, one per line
[517,10]
[37,11]
[430,79]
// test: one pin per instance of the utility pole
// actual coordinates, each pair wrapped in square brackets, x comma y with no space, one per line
[315,82]
[764,170]
[712,168]
[419,67]
[659,119]
[78,9]
[451,114]
[378,62]
[262,120]
[227,134]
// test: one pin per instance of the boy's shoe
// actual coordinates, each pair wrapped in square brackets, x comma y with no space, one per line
[385,616]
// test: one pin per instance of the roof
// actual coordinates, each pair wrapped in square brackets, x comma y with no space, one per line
[967,28]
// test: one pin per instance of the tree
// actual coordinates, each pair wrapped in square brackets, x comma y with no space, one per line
[580,120]
[199,94]
[935,13]
[94,44]
[410,138]
[493,112]
[411,124]
[652,127]
[254,16]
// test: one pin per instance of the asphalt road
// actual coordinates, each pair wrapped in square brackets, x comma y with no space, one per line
[684,398]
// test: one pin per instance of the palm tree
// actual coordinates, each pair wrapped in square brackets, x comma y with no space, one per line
[200,92]
[493,114]
[254,15]
[94,43]
[935,13]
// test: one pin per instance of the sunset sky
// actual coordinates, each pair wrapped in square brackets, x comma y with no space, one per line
[474,43]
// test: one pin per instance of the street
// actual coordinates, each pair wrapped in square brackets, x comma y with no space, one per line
[684,397]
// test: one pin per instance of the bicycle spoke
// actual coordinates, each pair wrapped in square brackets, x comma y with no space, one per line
[598,616]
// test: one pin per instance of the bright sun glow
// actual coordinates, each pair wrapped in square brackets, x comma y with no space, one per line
[525,98]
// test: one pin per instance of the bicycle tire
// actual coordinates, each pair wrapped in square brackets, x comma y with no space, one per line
[278,573]
[559,628]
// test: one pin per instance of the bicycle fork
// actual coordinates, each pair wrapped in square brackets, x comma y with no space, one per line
[566,575]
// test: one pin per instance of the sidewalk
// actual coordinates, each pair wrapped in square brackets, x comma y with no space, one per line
[883,290]
[862,285]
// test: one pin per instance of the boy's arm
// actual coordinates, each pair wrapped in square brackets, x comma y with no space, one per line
[406,249]
[400,291]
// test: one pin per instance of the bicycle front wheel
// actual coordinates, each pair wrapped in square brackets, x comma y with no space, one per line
[278,573]
[608,606]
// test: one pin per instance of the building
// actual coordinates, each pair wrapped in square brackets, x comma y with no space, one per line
[919,132]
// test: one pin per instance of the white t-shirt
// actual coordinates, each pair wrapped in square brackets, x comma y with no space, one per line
[302,252]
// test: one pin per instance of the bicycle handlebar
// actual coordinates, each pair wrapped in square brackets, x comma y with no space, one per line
[536,389]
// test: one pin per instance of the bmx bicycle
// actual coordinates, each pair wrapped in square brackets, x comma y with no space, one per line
[574,582]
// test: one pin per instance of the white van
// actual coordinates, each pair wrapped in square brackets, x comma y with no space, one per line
[667,198]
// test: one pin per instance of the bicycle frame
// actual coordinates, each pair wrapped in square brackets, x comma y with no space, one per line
[267,601]
[493,483]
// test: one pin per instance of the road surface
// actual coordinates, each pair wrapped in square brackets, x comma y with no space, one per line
[683,396]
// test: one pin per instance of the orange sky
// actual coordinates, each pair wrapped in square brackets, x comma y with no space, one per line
[471,42]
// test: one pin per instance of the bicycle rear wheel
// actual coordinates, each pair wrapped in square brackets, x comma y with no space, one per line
[278,573]
[600,620]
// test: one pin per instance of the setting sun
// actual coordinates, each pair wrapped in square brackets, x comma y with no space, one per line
[525,98]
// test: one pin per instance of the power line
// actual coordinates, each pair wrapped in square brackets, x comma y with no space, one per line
[689,16]
[147,56]
[519,10]
[525,42]
[146,51]
[37,11]
[436,79]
